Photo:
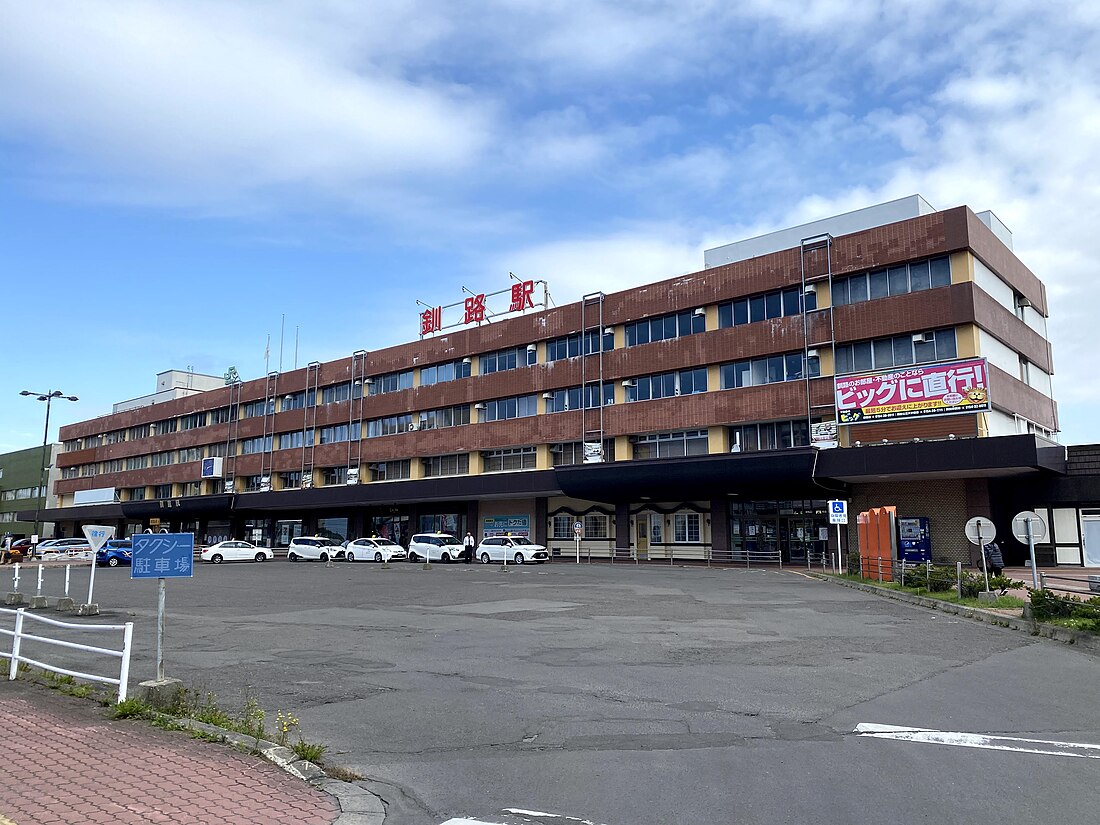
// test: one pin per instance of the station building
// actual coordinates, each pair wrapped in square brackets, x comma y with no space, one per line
[895,355]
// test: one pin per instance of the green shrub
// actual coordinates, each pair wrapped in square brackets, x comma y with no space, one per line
[1068,609]
[309,751]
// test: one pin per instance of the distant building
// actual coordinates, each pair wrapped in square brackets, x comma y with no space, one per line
[171,385]
[20,490]
[692,418]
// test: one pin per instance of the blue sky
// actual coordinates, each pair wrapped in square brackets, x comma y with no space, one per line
[176,176]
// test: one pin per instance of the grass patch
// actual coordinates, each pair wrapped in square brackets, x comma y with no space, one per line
[309,751]
[342,773]
[132,708]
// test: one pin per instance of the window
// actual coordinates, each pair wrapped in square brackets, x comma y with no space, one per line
[562,526]
[508,359]
[446,417]
[259,444]
[572,452]
[685,527]
[389,426]
[191,488]
[391,470]
[569,346]
[331,476]
[190,454]
[595,526]
[163,459]
[666,385]
[261,407]
[502,409]
[253,484]
[297,438]
[340,432]
[72,445]
[896,280]
[113,466]
[87,470]
[898,351]
[137,462]
[193,421]
[337,393]
[294,401]
[135,494]
[219,449]
[391,382]
[671,445]
[665,327]
[70,472]
[162,491]
[774,304]
[570,399]
[138,432]
[114,437]
[769,370]
[223,415]
[438,373]
[446,465]
[769,435]
[512,458]
[97,440]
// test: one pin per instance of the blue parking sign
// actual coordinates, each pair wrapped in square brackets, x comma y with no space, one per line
[162,555]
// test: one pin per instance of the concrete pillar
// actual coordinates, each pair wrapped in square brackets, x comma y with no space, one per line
[541,535]
[473,519]
[622,531]
[719,529]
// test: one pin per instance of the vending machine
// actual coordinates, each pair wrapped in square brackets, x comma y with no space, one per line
[914,540]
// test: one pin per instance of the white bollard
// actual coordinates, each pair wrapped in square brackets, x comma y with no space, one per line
[67,581]
[15,579]
[38,592]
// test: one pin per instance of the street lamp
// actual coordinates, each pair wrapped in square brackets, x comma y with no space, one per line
[48,397]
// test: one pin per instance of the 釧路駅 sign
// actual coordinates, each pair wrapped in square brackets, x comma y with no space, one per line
[912,392]
[482,307]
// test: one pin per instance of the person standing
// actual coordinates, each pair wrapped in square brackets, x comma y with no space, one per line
[468,544]
[993,558]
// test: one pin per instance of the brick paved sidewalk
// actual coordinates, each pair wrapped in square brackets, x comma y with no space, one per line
[65,761]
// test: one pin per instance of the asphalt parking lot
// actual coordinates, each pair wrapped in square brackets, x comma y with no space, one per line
[633,696]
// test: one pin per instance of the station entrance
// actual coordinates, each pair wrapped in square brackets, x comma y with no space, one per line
[770,532]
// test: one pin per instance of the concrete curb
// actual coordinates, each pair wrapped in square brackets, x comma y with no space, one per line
[358,806]
[1087,642]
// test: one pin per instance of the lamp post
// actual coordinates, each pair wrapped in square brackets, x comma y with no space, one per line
[48,397]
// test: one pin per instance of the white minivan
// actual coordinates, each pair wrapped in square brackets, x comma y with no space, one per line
[435,547]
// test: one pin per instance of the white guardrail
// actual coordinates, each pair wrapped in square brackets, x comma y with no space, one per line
[18,635]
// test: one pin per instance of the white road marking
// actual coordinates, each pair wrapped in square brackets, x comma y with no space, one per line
[523,813]
[978,740]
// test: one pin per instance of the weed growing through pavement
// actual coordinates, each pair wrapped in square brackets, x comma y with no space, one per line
[309,751]
[285,725]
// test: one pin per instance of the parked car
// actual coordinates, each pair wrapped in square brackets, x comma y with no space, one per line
[515,549]
[73,548]
[435,547]
[374,549]
[235,550]
[314,547]
[20,549]
[114,553]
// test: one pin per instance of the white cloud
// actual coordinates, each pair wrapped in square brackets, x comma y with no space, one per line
[197,100]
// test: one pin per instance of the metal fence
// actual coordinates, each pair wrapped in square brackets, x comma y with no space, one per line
[1070,584]
[19,635]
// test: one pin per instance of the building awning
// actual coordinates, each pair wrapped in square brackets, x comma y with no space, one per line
[787,474]
[997,457]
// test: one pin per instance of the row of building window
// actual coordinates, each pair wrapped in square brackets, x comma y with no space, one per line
[896,351]
[775,304]
[895,280]
[20,493]
[687,528]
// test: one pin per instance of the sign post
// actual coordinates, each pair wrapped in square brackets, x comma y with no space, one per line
[162,556]
[97,536]
[838,515]
[981,531]
[1029,527]
[578,531]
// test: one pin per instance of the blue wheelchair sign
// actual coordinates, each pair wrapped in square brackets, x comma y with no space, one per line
[162,555]
[838,512]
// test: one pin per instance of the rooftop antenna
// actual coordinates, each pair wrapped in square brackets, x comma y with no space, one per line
[296,346]
[282,324]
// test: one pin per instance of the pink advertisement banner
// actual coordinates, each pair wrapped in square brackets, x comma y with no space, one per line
[911,392]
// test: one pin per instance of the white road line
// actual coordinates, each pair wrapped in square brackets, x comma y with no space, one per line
[523,813]
[978,740]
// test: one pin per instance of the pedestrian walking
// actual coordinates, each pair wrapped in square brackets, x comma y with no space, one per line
[468,544]
[993,558]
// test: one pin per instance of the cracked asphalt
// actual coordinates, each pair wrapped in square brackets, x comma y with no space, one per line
[631,696]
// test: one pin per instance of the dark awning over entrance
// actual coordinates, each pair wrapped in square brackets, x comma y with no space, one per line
[1011,455]
[784,474]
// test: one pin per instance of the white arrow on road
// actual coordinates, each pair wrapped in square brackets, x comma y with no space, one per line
[978,740]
